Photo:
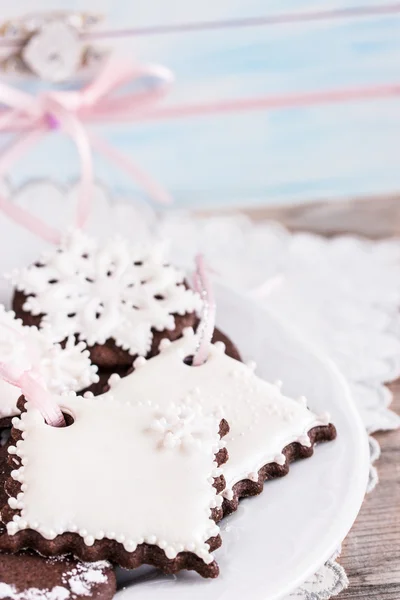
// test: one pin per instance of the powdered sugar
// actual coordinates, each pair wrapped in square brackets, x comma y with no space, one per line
[84,576]
[76,582]
[10,592]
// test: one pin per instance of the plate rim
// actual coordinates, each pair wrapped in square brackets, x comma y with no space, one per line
[363,472]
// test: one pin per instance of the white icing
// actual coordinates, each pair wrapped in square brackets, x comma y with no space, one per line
[262,420]
[106,290]
[22,348]
[129,485]
[81,578]
[177,427]
[156,466]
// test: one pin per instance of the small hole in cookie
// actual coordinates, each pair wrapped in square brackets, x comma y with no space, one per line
[138,263]
[4,437]
[52,281]
[69,420]
[71,315]
[159,297]
[188,360]
[89,280]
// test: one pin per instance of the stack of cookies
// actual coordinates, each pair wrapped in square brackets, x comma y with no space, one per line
[154,451]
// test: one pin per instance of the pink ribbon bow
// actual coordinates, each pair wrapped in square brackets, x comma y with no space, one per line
[34,116]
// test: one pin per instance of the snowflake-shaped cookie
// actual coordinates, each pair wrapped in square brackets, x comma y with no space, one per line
[106,291]
[144,496]
[23,348]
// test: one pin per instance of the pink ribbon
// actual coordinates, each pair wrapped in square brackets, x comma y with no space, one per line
[31,383]
[36,393]
[203,286]
[35,116]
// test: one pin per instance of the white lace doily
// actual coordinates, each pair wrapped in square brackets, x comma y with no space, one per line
[343,293]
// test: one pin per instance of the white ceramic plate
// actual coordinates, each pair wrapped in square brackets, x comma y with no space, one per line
[278,539]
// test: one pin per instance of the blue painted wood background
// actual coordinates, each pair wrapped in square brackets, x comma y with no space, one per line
[274,156]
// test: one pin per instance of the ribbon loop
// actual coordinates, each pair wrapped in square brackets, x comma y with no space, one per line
[19,370]
[66,110]
[108,80]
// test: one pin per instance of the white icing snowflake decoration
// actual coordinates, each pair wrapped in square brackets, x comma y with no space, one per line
[106,290]
[178,427]
[24,348]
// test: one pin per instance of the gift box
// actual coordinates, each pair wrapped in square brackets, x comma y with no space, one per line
[270,104]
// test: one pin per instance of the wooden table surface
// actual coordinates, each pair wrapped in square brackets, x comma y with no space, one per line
[371,552]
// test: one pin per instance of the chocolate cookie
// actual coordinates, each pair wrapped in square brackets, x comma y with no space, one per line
[119,299]
[230,348]
[104,374]
[267,429]
[273,470]
[4,470]
[27,576]
[155,484]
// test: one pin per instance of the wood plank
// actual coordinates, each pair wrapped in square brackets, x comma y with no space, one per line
[375,217]
[371,552]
